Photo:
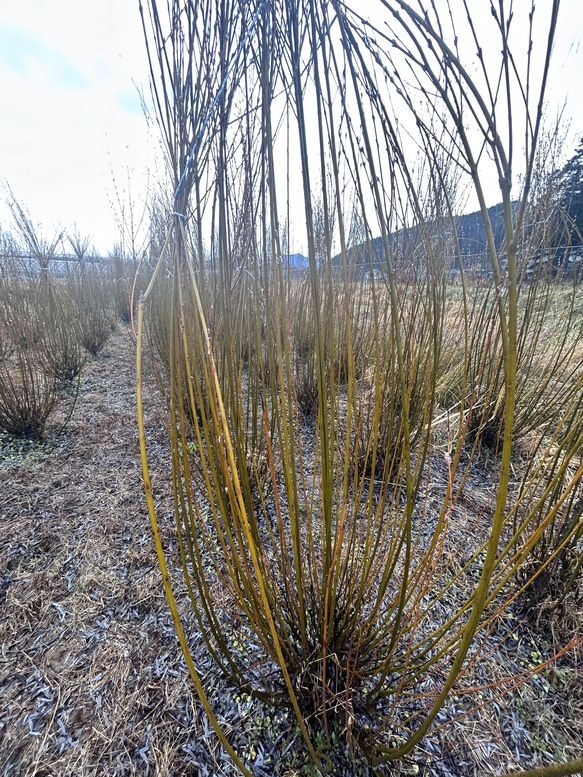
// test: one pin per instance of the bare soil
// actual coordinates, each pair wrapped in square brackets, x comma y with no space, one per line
[92,680]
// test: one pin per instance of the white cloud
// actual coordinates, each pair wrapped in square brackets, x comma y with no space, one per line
[71,113]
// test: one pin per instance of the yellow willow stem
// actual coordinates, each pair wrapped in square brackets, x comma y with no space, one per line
[244,519]
[556,770]
[160,552]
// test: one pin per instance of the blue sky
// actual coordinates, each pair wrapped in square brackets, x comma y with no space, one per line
[73,139]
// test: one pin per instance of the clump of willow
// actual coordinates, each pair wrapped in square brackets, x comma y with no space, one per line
[62,352]
[39,353]
[549,331]
[87,286]
[302,326]
[380,404]
[550,504]
[437,71]
[120,273]
[42,250]
[548,390]
[361,328]
[336,582]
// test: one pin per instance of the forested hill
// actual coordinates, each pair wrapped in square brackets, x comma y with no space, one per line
[470,231]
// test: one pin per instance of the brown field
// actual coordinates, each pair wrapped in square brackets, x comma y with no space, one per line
[92,680]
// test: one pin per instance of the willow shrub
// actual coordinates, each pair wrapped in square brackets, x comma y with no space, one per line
[353,299]
[119,275]
[549,502]
[88,288]
[303,334]
[62,353]
[239,349]
[334,593]
[380,405]
[547,428]
[548,366]
[550,505]
[40,351]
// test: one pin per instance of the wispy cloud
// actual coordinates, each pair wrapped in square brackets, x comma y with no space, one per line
[130,101]
[28,55]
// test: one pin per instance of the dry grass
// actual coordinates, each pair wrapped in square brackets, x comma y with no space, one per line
[92,679]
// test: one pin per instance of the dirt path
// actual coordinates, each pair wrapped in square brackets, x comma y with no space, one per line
[91,681]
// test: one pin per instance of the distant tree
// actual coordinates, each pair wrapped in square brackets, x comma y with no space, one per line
[570,180]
